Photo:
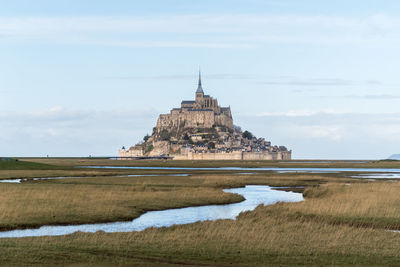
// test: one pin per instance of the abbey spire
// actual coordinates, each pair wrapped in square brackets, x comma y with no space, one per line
[199,88]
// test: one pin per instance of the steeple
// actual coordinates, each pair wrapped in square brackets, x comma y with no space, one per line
[199,88]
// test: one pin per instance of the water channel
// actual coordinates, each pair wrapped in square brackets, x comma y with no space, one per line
[373,173]
[275,169]
[82,177]
[254,195]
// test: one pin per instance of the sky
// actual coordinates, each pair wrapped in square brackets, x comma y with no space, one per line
[80,78]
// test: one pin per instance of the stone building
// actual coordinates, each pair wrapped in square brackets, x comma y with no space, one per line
[202,130]
[203,112]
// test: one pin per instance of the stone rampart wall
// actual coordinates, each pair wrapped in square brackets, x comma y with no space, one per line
[285,155]
[236,155]
[130,153]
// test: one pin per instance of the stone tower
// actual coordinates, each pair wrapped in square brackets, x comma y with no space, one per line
[199,92]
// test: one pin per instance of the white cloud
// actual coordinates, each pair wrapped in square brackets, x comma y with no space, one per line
[290,113]
[329,134]
[231,30]
[300,113]
[374,97]
[332,132]
[309,82]
[60,131]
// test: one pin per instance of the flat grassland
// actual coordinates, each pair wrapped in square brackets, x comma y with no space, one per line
[343,221]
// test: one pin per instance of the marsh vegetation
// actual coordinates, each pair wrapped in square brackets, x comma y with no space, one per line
[343,220]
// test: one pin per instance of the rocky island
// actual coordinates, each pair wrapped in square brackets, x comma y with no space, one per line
[203,130]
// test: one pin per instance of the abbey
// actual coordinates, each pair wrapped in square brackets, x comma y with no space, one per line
[204,112]
[200,129]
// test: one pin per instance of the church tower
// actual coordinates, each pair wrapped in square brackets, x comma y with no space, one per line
[199,92]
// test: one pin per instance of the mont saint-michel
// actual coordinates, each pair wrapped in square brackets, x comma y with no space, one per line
[203,130]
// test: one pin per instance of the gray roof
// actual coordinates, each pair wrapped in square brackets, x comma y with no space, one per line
[201,109]
[200,90]
[188,102]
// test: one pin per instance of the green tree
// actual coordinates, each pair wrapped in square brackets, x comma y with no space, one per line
[211,145]
[186,137]
[247,135]
[165,135]
[149,148]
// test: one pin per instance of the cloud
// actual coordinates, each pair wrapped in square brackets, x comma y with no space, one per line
[60,113]
[373,82]
[311,82]
[56,114]
[222,76]
[299,113]
[61,131]
[334,124]
[325,134]
[374,97]
[332,132]
[203,30]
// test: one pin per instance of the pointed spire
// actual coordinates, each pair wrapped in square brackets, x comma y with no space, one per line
[199,88]
[199,78]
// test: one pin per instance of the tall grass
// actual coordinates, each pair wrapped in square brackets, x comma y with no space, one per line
[34,204]
[337,224]
[107,198]
[369,204]
[255,238]
[222,163]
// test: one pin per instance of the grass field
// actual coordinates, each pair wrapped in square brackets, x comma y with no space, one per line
[343,221]
[227,163]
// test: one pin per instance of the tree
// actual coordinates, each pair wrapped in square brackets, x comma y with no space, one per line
[165,135]
[186,137]
[146,137]
[149,148]
[248,135]
[211,145]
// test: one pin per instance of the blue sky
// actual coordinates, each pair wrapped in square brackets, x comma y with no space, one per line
[81,78]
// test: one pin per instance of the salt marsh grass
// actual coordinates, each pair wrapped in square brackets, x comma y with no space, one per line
[35,204]
[368,204]
[343,221]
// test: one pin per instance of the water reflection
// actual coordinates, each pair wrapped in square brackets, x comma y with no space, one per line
[378,176]
[10,181]
[80,177]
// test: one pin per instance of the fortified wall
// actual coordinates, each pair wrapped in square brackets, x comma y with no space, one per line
[236,155]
